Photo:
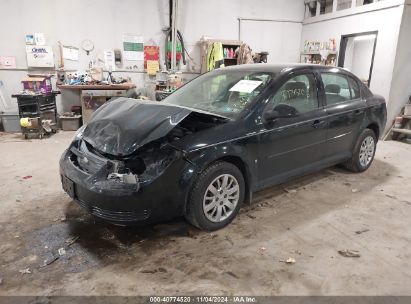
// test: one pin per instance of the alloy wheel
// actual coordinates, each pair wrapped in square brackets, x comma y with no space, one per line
[367,151]
[221,198]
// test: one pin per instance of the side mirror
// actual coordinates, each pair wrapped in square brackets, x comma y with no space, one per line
[280,111]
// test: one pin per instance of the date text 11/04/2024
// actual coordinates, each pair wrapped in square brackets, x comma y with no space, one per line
[204,299]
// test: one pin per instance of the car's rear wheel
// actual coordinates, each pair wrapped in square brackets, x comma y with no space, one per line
[216,196]
[363,153]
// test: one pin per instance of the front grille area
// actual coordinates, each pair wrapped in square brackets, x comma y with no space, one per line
[86,160]
[115,216]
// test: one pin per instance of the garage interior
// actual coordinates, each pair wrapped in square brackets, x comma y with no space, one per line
[329,233]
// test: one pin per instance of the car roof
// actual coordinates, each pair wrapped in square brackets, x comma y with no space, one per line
[282,67]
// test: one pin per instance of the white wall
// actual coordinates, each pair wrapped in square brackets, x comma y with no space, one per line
[385,21]
[105,22]
[276,38]
[219,19]
[401,80]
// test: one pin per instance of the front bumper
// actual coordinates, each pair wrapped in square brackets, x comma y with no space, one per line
[161,198]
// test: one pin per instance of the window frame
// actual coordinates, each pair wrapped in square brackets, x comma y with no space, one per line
[290,76]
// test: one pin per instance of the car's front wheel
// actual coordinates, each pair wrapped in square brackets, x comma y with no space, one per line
[363,153]
[216,196]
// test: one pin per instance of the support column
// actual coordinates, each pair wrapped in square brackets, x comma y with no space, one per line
[335,5]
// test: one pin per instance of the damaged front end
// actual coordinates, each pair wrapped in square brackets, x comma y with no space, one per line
[117,175]
[123,165]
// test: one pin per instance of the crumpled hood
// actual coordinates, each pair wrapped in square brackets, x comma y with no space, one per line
[121,126]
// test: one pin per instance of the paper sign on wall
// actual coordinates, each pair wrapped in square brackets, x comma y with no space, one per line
[39,39]
[109,60]
[40,56]
[153,67]
[70,53]
[133,47]
[245,86]
[30,39]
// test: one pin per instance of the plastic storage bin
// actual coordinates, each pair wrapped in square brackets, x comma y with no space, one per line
[70,123]
[11,122]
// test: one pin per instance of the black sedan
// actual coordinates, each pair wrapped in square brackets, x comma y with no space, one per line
[204,150]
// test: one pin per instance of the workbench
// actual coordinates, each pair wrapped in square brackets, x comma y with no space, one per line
[121,86]
[94,96]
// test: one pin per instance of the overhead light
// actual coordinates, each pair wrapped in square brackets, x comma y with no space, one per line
[364,37]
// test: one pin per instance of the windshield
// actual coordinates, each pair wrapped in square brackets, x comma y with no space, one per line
[223,92]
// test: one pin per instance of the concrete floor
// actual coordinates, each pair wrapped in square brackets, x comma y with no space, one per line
[331,210]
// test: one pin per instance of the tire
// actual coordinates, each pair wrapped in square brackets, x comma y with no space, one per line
[362,155]
[211,206]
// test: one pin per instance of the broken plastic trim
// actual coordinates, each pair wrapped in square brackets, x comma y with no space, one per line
[117,176]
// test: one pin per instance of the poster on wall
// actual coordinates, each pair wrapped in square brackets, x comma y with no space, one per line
[133,46]
[40,56]
[151,52]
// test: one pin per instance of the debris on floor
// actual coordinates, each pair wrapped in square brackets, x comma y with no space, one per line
[61,219]
[230,273]
[229,240]
[108,235]
[62,251]
[289,261]
[362,231]
[71,240]
[152,271]
[25,271]
[355,190]
[391,196]
[296,251]
[349,253]
[1,281]
[27,177]
[251,216]
[49,260]
[262,249]
[290,190]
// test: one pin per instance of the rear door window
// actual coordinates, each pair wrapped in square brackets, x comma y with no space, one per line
[355,90]
[336,87]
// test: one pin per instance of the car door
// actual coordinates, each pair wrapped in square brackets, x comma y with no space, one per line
[345,112]
[292,145]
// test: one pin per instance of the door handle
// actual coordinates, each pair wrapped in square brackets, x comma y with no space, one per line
[317,123]
[358,112]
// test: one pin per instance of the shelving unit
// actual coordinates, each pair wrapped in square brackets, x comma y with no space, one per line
[315,58]
[234,44]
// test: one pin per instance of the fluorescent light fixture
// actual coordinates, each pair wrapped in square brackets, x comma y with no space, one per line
[364,37]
